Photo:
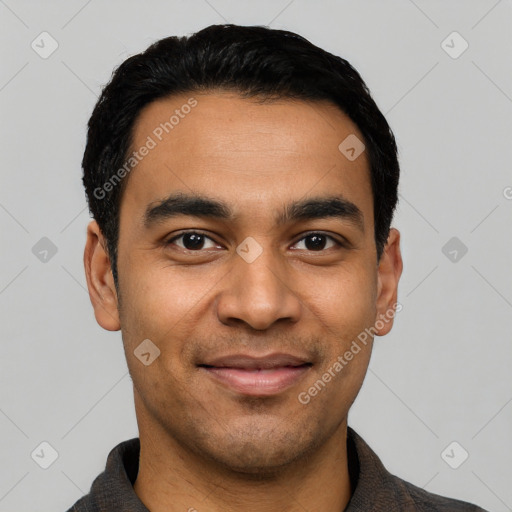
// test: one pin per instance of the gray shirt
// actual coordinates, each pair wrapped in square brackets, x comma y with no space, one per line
[373,487]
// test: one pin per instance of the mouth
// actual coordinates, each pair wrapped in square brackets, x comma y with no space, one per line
[257,376]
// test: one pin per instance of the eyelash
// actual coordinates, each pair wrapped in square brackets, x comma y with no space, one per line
[176,237]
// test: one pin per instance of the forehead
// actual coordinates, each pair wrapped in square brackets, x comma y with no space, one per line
[250,154]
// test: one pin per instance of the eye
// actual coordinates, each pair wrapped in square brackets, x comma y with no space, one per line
[317,242]
[192,241]
[196,241]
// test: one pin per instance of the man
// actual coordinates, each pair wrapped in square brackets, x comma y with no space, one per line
[243,183]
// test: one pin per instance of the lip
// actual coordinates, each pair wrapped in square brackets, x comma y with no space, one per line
[244,361]
[257,376]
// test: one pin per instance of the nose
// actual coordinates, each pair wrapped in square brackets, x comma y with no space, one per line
[258,293]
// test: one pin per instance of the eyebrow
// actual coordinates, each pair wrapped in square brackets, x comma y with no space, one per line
[181,204]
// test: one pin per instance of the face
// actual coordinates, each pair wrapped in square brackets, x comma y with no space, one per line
[250,296]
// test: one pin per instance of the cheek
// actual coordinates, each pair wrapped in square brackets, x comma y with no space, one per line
[345,300]
[155,308]
[158,303]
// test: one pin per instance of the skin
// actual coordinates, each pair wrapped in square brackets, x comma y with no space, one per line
[204,446]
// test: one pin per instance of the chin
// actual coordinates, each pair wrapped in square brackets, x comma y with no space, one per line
[261,451]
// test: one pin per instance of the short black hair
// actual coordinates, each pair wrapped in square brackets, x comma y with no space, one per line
[254,61]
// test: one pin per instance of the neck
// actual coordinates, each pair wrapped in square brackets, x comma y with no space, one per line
[171,478]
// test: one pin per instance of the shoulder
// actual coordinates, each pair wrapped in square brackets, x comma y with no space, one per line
[425,501]
[113,488]
[379,490]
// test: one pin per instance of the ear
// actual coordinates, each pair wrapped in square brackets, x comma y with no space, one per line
[388,275]
[100,280]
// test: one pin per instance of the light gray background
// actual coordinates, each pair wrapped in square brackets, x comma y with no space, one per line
[443,373]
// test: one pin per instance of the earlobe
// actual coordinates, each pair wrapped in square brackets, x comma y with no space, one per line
[389,272]
[100,281]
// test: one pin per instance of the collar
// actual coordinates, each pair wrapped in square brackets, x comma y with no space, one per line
[373,487]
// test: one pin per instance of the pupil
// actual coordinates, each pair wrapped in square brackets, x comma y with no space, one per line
[318,242]
[193,241]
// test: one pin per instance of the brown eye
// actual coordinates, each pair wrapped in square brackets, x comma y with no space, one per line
[317,242]
[191,241]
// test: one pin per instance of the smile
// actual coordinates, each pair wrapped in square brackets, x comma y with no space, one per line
[258,381]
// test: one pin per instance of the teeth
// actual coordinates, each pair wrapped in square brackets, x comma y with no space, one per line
[254,370]
[265,370]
